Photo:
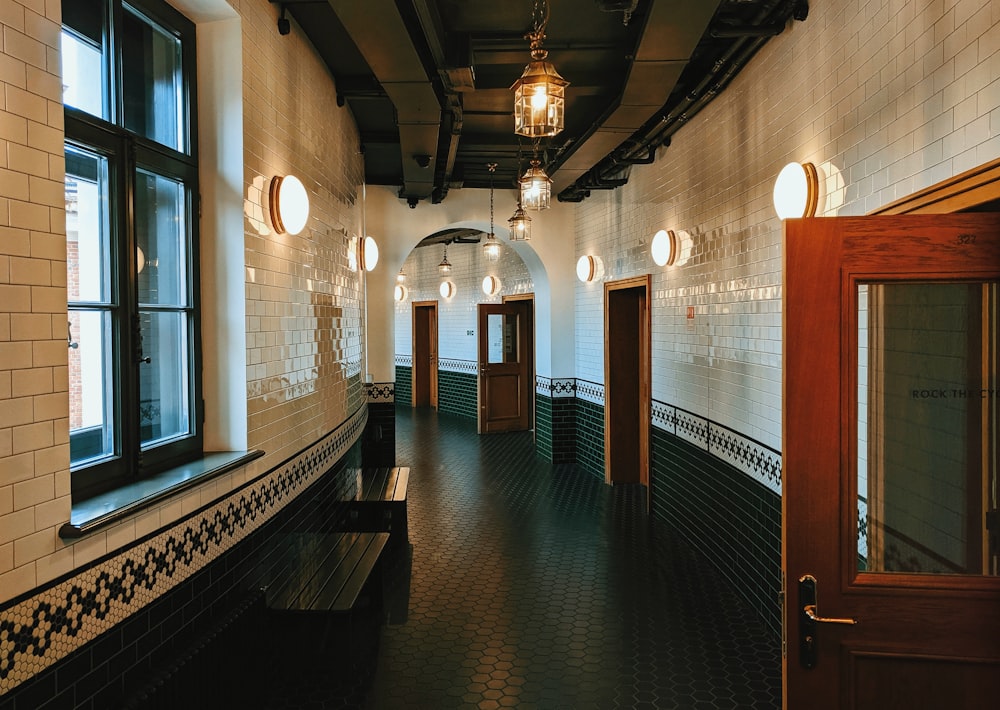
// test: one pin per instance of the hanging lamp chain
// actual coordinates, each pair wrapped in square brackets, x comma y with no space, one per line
[492,167]
[539,20]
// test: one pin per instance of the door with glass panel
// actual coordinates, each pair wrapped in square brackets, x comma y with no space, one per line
[891,413]
[504,401]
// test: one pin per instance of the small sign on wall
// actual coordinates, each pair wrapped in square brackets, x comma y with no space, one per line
[690,318]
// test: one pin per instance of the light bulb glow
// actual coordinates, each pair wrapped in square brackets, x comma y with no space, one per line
[289,204]
[446,289]
[369,253]
[664,248]
[796,191]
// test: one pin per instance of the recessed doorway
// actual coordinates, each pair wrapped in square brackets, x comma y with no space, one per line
[627,381]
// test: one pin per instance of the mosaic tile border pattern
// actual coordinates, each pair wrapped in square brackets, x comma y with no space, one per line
[590,392]
[403,360]
[760,462]
[555,387]
[465,366]
[38,631]
[381,392]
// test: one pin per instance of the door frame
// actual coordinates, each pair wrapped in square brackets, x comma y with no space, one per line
[645,378]
[433,341]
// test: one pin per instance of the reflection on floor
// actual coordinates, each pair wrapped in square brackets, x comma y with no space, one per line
[530,585]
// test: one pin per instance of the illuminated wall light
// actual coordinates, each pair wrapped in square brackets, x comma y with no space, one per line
[664,247]
[289,204]
[400,292]
[796,191]
[446,289]
[586,268]
[369,253]
[491,285]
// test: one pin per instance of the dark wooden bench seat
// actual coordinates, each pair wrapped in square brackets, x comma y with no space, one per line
[322,571]
[377,503]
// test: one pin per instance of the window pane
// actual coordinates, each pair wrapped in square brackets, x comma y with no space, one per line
[83,74]
[151,78]
[163,382]
[90,386]
[87,234]
[161,237]
[927,469]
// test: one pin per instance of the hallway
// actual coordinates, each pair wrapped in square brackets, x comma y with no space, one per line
[537,586]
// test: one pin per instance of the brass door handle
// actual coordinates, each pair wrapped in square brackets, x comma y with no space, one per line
[810,611]
[809,619]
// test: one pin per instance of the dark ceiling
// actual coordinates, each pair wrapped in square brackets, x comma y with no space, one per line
[429,82]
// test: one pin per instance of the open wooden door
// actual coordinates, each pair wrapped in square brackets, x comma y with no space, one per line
[890,437]
[504,395]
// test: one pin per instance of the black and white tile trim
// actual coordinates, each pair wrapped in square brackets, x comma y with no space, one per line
[590,392]
[760,462]
[468,366]
[381,392]
[43,628]
[560,387]
[403,360]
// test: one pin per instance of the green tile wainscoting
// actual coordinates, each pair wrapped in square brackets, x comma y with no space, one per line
[457,393]
[724,514]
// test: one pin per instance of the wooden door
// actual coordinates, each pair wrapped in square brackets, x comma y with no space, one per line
[627,381]
[890,430]
[425,354]
[503,368]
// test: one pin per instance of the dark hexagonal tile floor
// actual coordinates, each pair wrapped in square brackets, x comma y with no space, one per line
[529,585]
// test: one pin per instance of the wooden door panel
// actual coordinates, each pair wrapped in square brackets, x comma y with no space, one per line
[942,682]
[503,368]
[913,629]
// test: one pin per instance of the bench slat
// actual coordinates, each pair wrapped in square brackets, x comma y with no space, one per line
[375,483]
[399,490]
[342,596]
[306,554]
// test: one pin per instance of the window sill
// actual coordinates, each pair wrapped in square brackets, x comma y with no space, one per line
[107,508]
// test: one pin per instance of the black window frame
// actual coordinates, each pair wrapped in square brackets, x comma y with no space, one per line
[127,152]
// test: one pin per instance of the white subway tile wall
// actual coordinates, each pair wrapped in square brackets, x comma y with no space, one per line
[34,403]
[886,98]
[457,316]
[303,302]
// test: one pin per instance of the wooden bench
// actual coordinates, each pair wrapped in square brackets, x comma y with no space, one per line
[322,571]
[323,588]
[377,502]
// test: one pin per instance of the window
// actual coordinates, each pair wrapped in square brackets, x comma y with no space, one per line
[131,233]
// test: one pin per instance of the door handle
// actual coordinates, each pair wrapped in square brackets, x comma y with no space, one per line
[809,618]
[810,611]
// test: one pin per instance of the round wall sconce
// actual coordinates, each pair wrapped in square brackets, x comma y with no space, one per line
[796,191]
[369,253]
[491,285]
[586,268]
[289,204]
[400,293]
[664,247]
[446,289]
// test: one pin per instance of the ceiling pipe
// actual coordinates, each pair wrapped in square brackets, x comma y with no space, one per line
[660,132]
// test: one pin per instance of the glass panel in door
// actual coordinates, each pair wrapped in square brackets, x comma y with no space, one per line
[928,426]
